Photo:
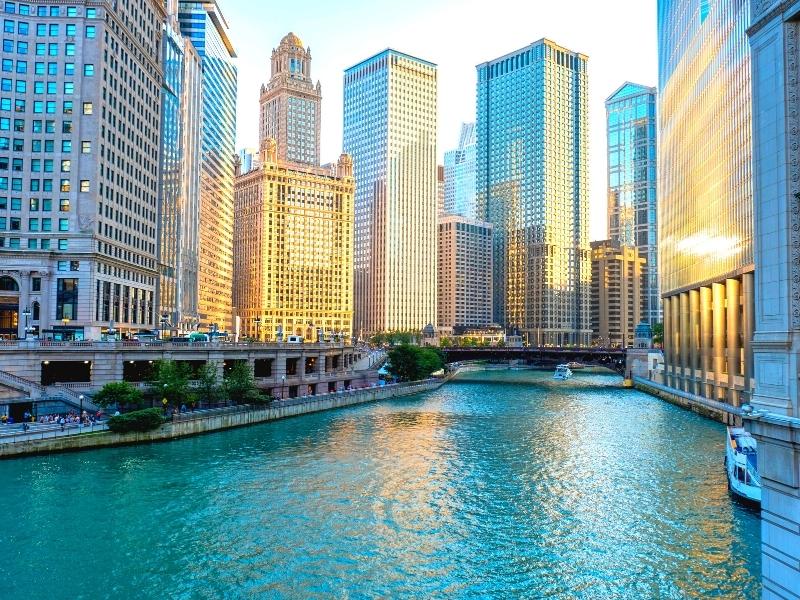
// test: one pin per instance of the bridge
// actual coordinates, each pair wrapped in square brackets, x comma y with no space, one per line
[610,358]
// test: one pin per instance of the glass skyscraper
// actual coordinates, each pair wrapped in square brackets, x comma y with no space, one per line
[532,185]
[705,196]
[631,135]
[204,25]
[390,131]
[459,175]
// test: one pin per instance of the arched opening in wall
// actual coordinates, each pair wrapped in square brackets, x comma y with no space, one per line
[9,308]
[36,311]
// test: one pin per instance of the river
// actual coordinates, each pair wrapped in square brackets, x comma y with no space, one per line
[502,484]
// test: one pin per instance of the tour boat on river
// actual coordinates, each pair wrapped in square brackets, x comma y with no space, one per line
[741,465]
[562,372]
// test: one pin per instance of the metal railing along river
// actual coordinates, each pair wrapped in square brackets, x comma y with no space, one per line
[37,431]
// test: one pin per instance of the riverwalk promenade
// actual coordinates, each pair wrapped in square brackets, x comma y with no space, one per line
[206,421]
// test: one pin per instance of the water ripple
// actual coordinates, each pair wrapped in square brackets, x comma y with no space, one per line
[503,485]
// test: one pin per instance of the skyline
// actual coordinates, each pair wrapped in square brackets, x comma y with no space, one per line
[457,43]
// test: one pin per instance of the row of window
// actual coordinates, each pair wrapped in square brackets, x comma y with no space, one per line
[42,185]
[39,68]
[32,244]
[45,11]
[34,204]
[47,29]
[15,224]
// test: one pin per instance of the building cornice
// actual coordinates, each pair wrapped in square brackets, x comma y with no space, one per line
[761,14]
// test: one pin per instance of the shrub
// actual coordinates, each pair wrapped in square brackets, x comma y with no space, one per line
[120,393]
[138,420]
[411,363]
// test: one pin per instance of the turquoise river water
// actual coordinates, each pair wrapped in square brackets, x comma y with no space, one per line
[499,485]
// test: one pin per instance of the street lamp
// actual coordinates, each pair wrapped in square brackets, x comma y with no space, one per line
[283,384]
[65,321]
[26,313]
[80,418]
[164,398]
[257,321]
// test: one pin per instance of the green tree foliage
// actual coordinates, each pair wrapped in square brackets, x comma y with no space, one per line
[445,342]
[240,385]
[658,333]
[208,388]
[171,381]
[411,363]
[120,393]
[138,420]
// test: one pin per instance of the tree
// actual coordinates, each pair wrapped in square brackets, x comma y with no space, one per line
[445,342]
[658,334]
[171,381]
[240,385]
[208,388]
[412,363]
[120,393]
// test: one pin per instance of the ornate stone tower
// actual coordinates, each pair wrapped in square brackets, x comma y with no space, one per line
[291,104]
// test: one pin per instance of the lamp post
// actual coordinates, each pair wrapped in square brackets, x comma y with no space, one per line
[164,399]
[283,384]
[65,321]
[80,418]
[257,321]
[26,313]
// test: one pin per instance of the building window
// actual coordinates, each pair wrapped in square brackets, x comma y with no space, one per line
[87,108]
[63,224]
[86,147]
[66,298]
[84,185]
[36,284]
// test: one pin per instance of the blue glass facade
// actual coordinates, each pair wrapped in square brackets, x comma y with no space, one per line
[459,175]
[205,26]
[532,185]
[632,207]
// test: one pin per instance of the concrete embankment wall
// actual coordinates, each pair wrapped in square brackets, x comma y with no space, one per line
[719,411]
[187,425]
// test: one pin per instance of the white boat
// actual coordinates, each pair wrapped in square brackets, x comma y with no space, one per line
[741,465]
[576,365]
[562,372]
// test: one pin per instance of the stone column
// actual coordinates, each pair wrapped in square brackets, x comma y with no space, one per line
[734,354]
[24,302]
[45,307]
[748,318]
[718,332]
[706,343]
[685,340]
[667,341]
[694,340]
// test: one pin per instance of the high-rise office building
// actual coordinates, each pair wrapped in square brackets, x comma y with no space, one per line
[205,26]
[294,248]
[390,130]
[291,104]
[294,220]
[532,185]
[632,207]
[705,196]
[459,175]
[618,283]
[465,273]
[179,182]
[440,185]
[79,164]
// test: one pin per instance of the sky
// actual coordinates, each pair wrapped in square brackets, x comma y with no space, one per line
[619,36]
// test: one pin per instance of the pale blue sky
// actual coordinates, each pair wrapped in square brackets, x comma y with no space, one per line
[619,36]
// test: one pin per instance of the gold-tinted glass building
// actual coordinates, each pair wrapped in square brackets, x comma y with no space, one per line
[705,208]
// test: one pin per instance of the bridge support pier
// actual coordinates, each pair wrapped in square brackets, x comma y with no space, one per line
[779,466]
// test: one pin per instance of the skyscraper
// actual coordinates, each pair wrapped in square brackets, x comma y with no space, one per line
[631,135]
[204,25]
[465,273]
[291,104]
[390,131]
[532,185]
[618,275]
[705,196]
[79,164]
[459,175]
[179,183]
[294,220]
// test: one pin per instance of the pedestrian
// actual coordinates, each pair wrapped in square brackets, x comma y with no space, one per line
[61,422]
